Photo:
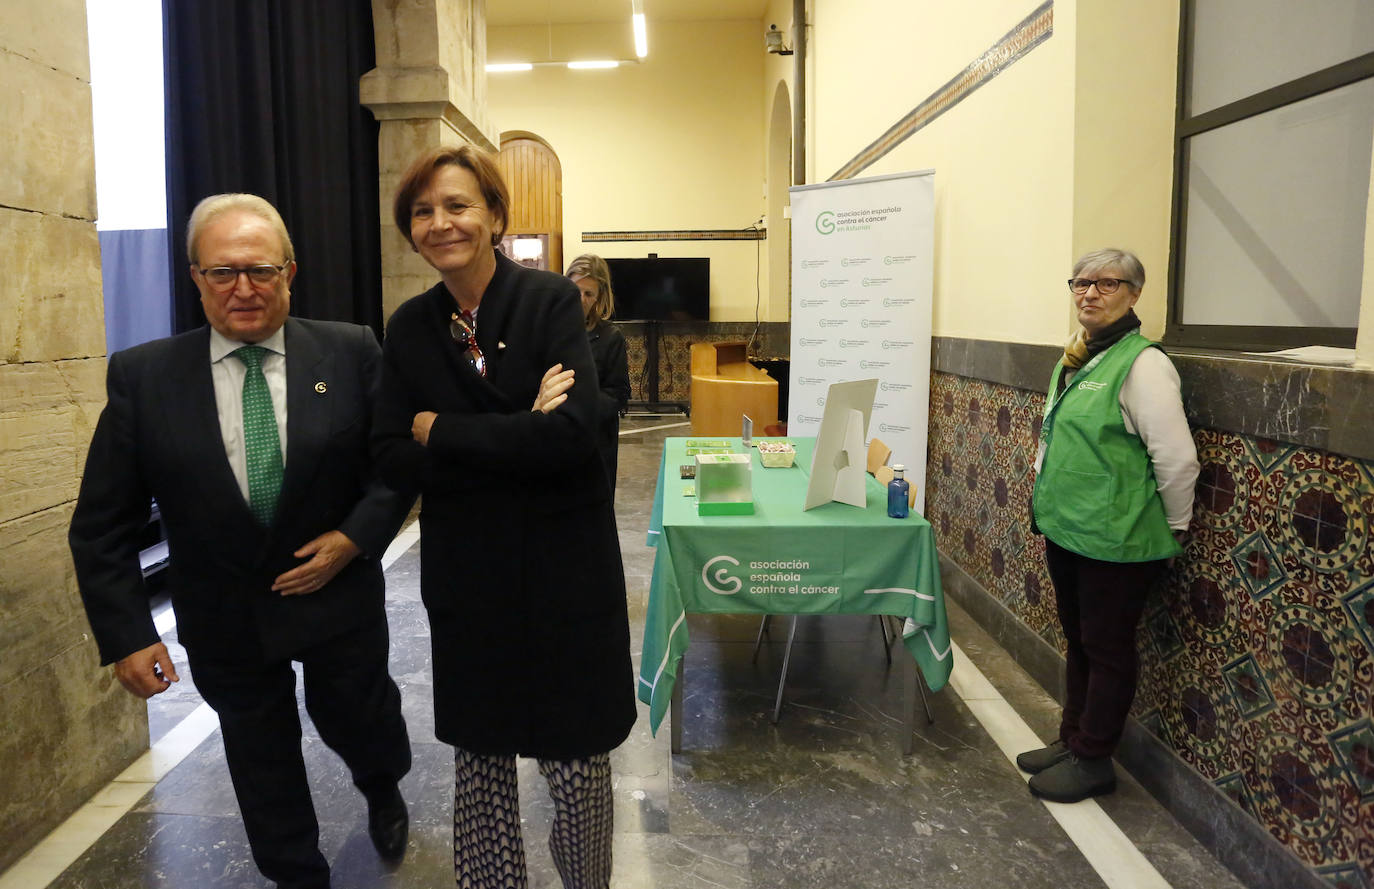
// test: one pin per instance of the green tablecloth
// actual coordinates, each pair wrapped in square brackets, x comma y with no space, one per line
[834,559]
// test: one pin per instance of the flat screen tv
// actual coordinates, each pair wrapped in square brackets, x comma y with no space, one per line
[661,289]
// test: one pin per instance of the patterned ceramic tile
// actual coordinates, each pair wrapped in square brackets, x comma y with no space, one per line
[1257,652]
[1346,875]
[1233,785]
[1354,748]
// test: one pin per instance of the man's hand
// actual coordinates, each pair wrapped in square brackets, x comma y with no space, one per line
[328,554]
[147,672]
[419,427]
[553,389]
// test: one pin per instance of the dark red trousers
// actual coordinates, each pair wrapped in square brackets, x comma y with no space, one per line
[1099,607]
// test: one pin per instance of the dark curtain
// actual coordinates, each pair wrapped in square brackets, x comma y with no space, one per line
[262,97]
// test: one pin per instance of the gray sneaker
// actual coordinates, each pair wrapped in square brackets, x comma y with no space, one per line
[1074,779]
[1033,761]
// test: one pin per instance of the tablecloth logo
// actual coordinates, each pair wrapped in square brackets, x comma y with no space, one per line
[728,585]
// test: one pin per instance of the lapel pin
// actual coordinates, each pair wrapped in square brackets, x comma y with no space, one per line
[500,345]
[321,388]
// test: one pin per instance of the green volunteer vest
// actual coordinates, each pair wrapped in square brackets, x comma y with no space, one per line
[1096,493]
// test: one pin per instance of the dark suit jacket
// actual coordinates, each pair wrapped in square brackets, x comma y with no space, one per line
[520,560]
[159,437]
[613,378]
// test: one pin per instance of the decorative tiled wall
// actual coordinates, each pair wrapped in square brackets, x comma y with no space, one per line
[1258,652]
[770,340]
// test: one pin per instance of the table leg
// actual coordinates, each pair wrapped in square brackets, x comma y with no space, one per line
[914,684]
[675,709]
[786,659]
[758,640]
[912,676]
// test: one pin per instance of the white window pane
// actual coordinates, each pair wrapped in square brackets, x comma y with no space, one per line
[1276,215]
[1242,47]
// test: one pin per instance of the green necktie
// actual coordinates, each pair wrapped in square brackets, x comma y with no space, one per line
[261,444]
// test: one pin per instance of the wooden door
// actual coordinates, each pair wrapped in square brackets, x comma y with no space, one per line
[535,179]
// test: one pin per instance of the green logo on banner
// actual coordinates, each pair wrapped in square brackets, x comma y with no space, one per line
[825,222]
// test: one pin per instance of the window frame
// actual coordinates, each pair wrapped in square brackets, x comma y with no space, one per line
[1225,336]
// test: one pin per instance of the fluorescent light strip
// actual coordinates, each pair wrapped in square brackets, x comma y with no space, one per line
[641,35]
[505,67]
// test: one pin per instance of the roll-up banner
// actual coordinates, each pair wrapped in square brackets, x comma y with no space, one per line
[862,272]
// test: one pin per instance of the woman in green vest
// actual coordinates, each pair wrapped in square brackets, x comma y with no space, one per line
[1113,497]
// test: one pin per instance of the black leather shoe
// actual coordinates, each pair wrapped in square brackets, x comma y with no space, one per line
[388,824]
[1074,779]
[1034,761]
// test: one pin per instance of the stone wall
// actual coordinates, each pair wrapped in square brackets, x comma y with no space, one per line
[68,726]
[429,89]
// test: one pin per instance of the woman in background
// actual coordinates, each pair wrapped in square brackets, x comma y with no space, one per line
[593,279]
[520,567]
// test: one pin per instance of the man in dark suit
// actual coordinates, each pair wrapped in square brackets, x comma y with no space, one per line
[252,435]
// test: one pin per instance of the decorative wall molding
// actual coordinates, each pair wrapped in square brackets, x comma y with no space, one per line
[1033,30]
[705,234]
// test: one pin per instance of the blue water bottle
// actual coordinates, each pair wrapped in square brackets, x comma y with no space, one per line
[898,490]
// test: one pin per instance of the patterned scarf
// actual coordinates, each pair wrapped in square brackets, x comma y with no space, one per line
[1081,349]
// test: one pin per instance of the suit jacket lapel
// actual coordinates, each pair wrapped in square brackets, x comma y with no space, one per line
[309,369]
[493,321]
[488,330]
[192,416]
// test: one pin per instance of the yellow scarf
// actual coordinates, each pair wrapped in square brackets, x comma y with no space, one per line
[1076,352]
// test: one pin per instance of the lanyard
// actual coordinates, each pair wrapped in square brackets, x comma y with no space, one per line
[1052,402]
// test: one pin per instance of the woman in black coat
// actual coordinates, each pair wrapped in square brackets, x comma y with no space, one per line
[593,280]
[520,562]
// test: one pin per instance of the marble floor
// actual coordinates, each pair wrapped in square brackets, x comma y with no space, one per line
[822,799]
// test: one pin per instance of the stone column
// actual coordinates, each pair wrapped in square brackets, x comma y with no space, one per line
[68,725]
[429,89]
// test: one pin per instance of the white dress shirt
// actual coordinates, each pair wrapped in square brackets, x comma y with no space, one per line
[228,373]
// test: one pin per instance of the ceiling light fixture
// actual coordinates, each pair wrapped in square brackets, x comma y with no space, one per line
[640,28]
[586,64]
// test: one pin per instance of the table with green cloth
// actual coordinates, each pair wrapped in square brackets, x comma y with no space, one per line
[834,559]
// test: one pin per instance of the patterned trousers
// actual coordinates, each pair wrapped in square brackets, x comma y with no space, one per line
[488,851]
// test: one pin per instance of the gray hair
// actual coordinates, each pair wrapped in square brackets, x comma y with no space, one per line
[1124,261]
[216,205]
